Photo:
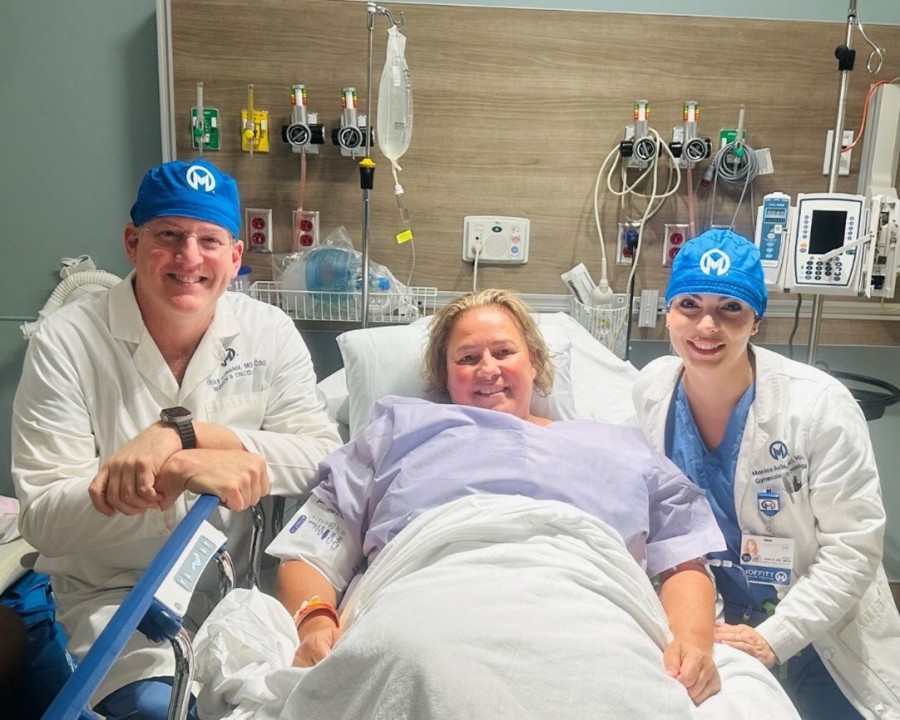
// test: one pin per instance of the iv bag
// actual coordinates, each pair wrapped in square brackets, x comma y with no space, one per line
[395,112]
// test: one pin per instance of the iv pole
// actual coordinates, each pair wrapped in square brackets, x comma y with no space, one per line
[845,57]
[367,165]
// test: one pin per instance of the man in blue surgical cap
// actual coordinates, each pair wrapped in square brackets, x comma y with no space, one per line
[133,402]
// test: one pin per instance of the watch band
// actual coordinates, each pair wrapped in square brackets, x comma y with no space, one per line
[182,419]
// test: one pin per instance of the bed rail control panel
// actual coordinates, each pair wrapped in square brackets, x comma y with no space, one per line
[170,601]
[73,700]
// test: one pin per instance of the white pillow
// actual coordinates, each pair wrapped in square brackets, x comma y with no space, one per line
[589,380]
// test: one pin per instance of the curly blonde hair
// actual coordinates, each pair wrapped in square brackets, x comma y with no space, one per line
[434,364]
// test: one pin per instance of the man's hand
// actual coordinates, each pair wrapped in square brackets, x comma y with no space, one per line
[238,478]
[744,637]
[692,665]
[126,481]
[319,635]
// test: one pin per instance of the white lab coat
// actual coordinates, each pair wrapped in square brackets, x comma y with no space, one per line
[804,423]
[93,378]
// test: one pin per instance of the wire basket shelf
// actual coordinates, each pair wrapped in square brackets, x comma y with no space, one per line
[609,325]
[389,308]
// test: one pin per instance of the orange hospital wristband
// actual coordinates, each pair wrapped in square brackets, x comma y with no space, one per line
[313,605]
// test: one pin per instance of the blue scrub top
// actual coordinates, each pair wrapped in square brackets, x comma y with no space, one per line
[713,470]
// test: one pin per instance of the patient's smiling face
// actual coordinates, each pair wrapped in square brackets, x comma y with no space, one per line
[488,362]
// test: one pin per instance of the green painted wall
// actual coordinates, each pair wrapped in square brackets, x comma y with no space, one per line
[80,125]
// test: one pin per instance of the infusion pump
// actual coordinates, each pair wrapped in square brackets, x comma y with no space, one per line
[829,243]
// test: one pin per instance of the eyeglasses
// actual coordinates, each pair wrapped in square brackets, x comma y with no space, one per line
[169,237]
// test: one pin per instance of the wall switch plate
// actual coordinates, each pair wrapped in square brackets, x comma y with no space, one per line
[627,239]
[675,235]
[258,224]
[844,167]
[649,310]
[306,229]
[503,240]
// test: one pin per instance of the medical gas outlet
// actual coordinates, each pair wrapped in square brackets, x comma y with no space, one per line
[687,147]
[627,241]
[204,125]
[639,148]
[254,126]
[305,133]
[495,240]
[351,135]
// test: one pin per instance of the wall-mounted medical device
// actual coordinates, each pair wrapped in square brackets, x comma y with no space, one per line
[687,147]
[877,173]
[204,125]
[351,135]
[830,243]
[305,133]
[773,229]
[639,147]
[254,126]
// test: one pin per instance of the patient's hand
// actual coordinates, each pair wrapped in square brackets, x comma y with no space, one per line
[746,638]
[318,636]
[690,662]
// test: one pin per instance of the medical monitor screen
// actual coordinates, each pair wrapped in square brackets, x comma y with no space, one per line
[827,231]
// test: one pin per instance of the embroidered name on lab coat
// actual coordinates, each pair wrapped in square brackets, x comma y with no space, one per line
[245,369]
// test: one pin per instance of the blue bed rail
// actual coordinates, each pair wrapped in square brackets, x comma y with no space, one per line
[73,701]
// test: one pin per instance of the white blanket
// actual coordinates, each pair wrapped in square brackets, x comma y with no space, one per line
[490,607]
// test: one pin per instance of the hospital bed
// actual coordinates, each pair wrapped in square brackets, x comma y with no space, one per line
[589,380]
[245,649]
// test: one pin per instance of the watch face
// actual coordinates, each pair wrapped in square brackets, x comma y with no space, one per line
[176,413]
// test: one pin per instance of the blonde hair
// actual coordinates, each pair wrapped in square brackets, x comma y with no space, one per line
[434,364]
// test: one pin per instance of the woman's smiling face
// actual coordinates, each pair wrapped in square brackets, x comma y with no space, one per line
[488,362]
[710,330]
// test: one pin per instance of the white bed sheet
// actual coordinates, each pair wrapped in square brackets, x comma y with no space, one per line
[500,607]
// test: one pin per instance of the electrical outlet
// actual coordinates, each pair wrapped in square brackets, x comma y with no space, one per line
[306,229]
[675,236]
[503,240]
[844,166]
[258,224]
[626,243]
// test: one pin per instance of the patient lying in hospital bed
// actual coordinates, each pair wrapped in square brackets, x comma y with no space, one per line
[522,600]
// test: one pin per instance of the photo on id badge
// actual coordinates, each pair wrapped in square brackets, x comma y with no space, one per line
[767,559]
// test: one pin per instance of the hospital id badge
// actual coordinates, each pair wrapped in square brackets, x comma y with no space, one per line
[767,560]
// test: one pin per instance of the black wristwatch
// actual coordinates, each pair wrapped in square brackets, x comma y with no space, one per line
[183,421]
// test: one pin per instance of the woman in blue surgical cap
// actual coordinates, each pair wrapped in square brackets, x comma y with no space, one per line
[783,453]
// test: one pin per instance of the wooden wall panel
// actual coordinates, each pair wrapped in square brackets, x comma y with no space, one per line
[514,112]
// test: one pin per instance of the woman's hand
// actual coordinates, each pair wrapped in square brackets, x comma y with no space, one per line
[744,637]
[318,636]
[688,661]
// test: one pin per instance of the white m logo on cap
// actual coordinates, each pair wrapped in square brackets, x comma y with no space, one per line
[198,177]
[715,260]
